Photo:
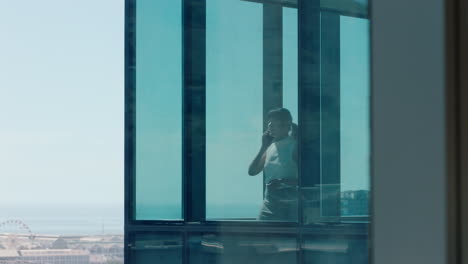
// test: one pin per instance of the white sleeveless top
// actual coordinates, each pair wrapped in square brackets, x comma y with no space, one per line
[279,163]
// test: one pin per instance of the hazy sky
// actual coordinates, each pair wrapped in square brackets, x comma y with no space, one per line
[61,102]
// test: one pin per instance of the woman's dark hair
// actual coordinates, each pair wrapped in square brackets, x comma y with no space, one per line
[282,114]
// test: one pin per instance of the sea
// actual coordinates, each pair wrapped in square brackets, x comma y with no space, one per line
[62,220]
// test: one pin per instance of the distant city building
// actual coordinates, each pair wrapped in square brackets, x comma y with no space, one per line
[53,249]
[98,259]
[355,203]
[60,243]
[55,256]
[9,256]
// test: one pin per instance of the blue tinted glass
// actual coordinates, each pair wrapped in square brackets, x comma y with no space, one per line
[344,149]
[253,67]
[354,112]
[158,110]
[234,107]
[290,52]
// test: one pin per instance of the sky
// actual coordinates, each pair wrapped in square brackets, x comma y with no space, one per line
[62,102]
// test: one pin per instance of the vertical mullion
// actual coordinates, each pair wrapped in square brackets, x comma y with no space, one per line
[185,248]
[309,95]
[330,108]
[272,57]
[194,108]
[461,104]
[130,139]
[300,249]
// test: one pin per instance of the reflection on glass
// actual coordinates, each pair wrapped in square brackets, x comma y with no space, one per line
[258,249]
[355,116]
[156,248]
[285,103]
[290,65]
[277,159]
[344,118]
[335,249]
[251,69]
[158,110]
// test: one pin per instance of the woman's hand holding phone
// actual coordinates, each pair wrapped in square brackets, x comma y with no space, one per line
[267,139]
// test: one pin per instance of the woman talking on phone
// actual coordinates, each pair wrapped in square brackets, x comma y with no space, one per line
[277,158]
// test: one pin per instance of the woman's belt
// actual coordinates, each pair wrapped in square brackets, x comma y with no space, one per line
[288,181]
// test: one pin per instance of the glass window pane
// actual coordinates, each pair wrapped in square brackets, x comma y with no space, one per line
[251,70]
[158,110]
[355,123]
[234,107]
[290,52]
[148,248]
[224,249]
[343,188]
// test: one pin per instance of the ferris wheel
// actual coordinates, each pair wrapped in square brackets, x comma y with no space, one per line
[13,232]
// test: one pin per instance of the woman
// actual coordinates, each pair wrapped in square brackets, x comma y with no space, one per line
[277,158]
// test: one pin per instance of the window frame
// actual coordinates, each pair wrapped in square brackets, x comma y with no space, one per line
[194,110]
